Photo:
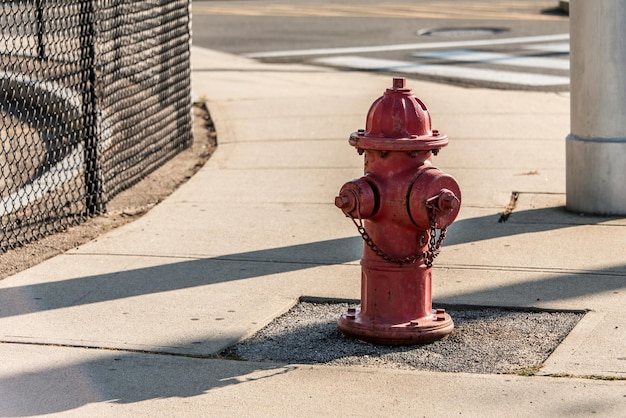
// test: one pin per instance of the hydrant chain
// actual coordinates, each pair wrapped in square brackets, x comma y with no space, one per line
[428,256]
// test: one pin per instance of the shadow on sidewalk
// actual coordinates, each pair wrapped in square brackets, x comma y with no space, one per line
[121,378]
[20,300]
[128,377]
[547,284]
[543,286]
[519,222]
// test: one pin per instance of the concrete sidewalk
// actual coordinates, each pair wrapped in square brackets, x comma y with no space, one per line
[129,324]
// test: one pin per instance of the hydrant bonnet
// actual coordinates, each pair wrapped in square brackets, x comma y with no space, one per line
[398,121]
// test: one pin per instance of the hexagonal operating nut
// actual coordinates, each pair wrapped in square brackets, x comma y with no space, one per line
[342,201]
[346,201]
[448,201]
[445,201]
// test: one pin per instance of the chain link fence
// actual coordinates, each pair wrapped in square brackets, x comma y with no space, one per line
[94,95]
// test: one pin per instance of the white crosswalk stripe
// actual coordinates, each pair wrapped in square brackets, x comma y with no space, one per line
[406,47]
[543,60]
[447,71]
[465,55]
[559,48]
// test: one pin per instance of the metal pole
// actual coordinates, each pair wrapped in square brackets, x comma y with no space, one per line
[596,146]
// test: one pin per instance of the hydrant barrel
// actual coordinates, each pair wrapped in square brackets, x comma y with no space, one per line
[398,206]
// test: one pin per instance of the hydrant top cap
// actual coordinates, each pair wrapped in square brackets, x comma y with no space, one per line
[399,82]
[398,121]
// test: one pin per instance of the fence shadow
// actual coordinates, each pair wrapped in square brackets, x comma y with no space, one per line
[21,300]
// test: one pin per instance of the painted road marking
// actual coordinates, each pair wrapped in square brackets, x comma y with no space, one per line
[559,48]
[469,56]
[448,71]
[406,47]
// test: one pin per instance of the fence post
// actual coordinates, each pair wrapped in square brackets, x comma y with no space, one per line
[41,48]
[93,173]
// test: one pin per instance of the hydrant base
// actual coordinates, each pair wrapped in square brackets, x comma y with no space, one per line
[413,332]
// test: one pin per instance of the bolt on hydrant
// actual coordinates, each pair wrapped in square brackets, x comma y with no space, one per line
[397,207]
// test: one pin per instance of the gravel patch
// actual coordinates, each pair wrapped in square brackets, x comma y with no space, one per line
[485,340]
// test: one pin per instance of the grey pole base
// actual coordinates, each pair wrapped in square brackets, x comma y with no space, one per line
[596,175]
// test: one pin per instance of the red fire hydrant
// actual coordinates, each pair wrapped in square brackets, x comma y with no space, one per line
[397,207]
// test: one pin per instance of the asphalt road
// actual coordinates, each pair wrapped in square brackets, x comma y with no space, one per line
[485,43]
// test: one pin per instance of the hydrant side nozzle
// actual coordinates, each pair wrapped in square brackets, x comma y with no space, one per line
[434,193]
[358,199]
